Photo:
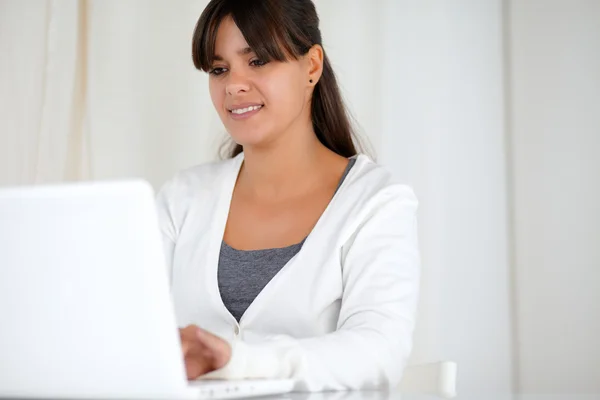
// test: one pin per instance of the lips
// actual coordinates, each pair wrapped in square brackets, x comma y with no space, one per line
[244,110]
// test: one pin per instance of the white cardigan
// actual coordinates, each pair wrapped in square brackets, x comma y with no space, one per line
[339,315]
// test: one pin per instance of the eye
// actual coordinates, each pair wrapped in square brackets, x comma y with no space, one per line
[217,71]
[257,63]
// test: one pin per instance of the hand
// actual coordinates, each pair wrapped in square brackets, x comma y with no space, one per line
[203,352]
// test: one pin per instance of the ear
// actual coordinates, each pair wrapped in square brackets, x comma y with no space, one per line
[315,64]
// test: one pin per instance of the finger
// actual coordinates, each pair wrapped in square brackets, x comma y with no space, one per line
[188,331]
[195,346]
[188,338]
[207,339]
[195,366]
[220,350]
[185,346]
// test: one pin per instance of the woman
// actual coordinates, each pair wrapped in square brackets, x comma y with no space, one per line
[295,258]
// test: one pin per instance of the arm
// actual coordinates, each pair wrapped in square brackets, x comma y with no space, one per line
[166,225]
[370,348]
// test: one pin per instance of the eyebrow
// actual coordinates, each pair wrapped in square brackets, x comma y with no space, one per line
[243,52]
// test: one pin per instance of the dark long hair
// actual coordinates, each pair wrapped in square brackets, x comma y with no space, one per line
[279,30]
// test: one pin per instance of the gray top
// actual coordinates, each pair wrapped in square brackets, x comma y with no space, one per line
[242,274]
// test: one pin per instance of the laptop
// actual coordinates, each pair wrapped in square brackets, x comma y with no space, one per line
[85,304]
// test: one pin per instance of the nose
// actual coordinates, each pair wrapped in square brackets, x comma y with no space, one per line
[237,83]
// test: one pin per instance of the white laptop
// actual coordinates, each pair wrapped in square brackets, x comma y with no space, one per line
[85,307]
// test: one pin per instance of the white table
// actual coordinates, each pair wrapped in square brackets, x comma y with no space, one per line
[382,395]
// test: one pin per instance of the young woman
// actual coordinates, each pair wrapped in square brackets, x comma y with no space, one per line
[296,257]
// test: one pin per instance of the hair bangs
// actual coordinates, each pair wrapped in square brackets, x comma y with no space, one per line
[263,25]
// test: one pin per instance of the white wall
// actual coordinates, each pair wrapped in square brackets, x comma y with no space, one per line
[443,131]
[555,135]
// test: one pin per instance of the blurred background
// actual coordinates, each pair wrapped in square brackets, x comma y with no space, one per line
[490,109]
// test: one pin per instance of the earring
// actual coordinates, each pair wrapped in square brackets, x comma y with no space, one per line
[310,81]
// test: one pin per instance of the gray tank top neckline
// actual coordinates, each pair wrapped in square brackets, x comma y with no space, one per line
[242,274]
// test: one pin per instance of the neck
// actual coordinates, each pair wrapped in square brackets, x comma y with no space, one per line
[284,167]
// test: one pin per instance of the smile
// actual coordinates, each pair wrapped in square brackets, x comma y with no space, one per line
[241,111]
[246,112]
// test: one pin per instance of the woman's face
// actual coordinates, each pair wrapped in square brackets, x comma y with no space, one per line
[257,102]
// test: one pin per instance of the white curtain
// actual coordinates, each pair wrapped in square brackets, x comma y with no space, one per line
[42,88]
[107,89]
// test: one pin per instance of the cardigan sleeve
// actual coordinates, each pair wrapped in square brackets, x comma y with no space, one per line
[373,340]
[166,223]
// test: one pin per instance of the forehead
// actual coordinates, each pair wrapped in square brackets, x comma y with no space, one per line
[229,38]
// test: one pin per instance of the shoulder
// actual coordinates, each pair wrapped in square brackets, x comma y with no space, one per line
[371,185]
[372,203]
[378,215]
[196,180]
[194,188]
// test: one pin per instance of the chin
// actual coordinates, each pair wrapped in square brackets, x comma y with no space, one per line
[249,138]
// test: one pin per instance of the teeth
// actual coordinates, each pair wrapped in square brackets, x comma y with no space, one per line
[245,110]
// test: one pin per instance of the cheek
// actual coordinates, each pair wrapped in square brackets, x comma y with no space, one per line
[285,95]
[216,95]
